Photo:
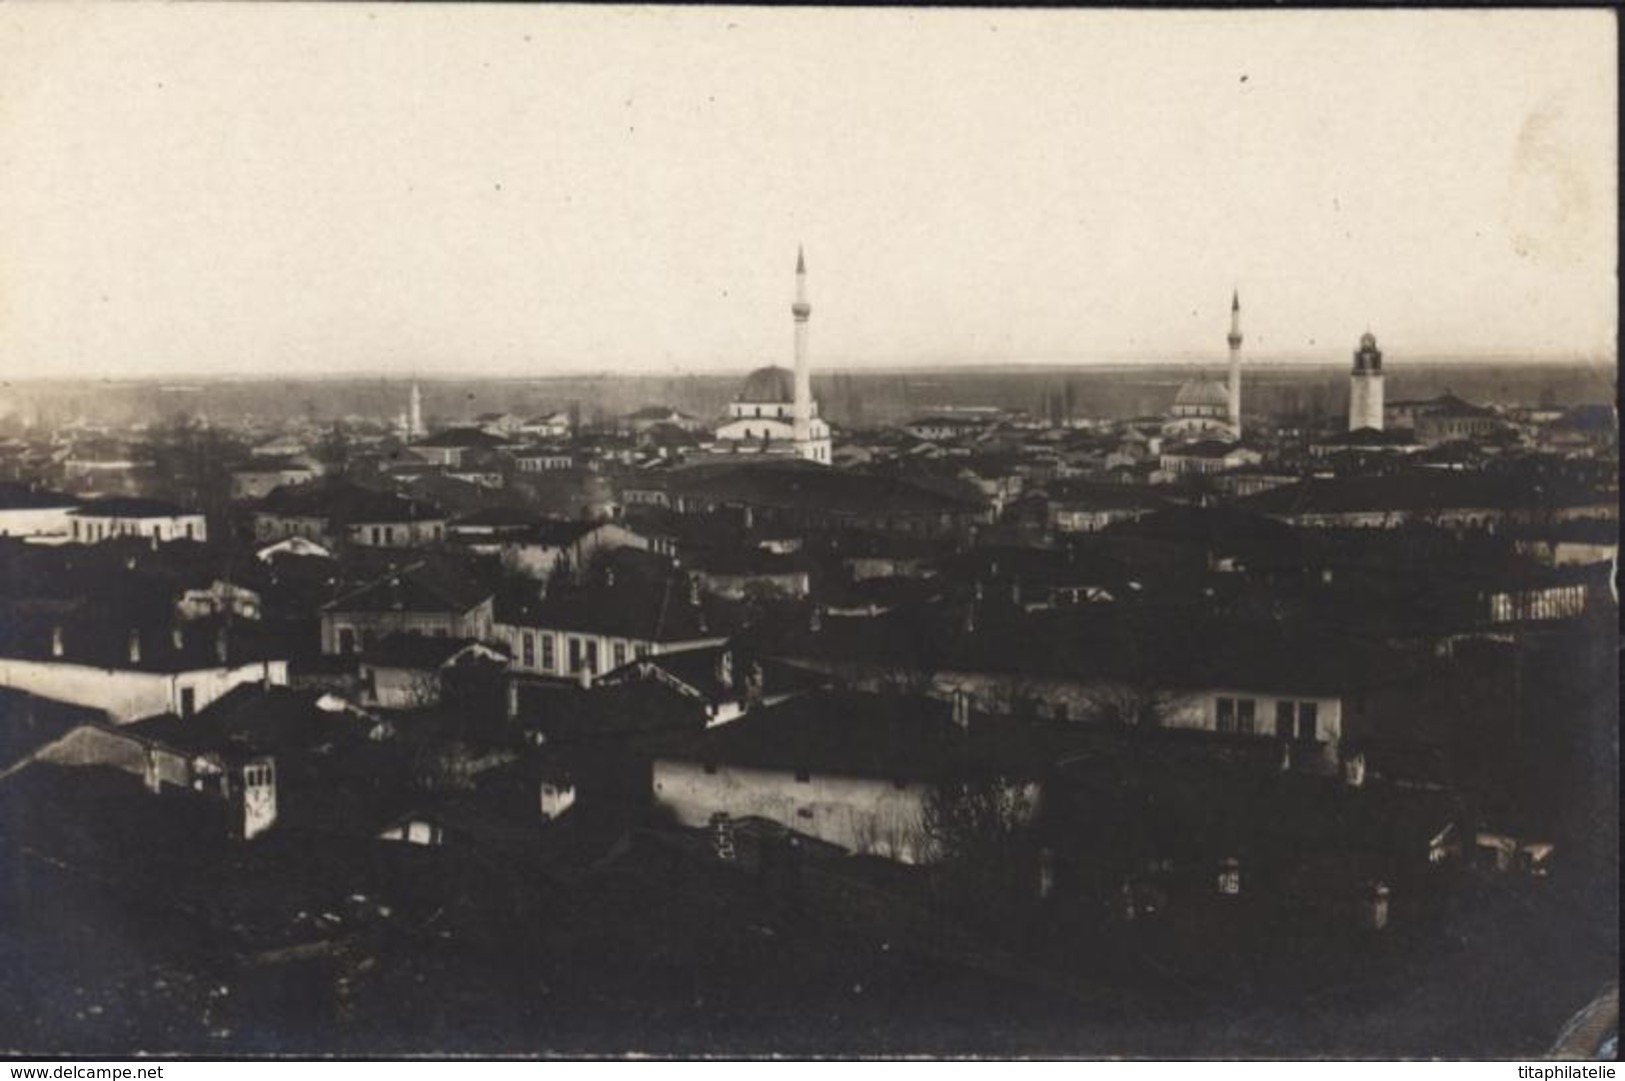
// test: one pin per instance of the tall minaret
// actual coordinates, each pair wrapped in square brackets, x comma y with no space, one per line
[414,414]
[1235,363]
[802,311]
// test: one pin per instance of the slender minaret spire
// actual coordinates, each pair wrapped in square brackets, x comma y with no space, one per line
[803,405]
[414,414]
[1235,363]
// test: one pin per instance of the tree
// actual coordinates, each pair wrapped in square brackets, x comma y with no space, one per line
[975,831]
[1132,703]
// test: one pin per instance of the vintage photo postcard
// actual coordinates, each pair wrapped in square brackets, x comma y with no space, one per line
[683,531]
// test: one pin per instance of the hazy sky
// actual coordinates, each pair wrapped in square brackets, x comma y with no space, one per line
[302,189]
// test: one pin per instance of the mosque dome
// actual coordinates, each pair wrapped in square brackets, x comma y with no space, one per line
[1198,393]
[768,386]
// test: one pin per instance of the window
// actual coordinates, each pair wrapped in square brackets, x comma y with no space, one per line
[1246,709]
[640,650]
[528,643]
[592,655]
[189,531]
[1283,720]
[620,653]
[1308,720]
[803,776]
[575,655]
[188,701]
[549,662]
[1227,715]
[346,640]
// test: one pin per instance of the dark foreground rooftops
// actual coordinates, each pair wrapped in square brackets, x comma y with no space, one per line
[896,737]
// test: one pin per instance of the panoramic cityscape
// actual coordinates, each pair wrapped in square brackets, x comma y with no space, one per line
[1172,697]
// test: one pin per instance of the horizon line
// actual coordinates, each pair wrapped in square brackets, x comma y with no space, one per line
[1273,360]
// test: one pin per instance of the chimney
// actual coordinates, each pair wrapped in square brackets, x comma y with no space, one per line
[694,590]
[1354,770]
[1015,592]
[56,640]
[1375,915]
[1046,872]
[221,649]
[961,710]
[135,647]
[513,699]
[725,670]
[175,639]
[815,619]
[754,681]
[970,618]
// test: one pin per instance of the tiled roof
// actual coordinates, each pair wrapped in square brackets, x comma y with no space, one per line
[31,497]
[464,438]
[892,737]
[129,507]
[414,588]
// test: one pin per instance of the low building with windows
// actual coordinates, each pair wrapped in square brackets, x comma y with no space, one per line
[102,662]
[546,546]
[261,477]
[409,671]
[393,522]
[1445,498]
[584,632]
[118,516]
[36,514]
[1204,457]
[456,447]
[865,772]
[335,512]
[416,599]
[544,459]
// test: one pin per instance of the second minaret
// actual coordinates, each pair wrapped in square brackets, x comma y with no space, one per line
[803,403]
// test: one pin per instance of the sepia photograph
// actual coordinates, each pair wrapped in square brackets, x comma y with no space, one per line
[722,532]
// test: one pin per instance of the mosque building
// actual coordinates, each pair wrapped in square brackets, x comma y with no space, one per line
[1208,409]
[774,412]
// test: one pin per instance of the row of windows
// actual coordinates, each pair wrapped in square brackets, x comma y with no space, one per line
[580,652]
[385,535]
[95,531]
[1556,602]
[1293,720]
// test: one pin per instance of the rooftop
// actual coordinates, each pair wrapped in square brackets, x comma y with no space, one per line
[461,438]
[418,587]
[128,507]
